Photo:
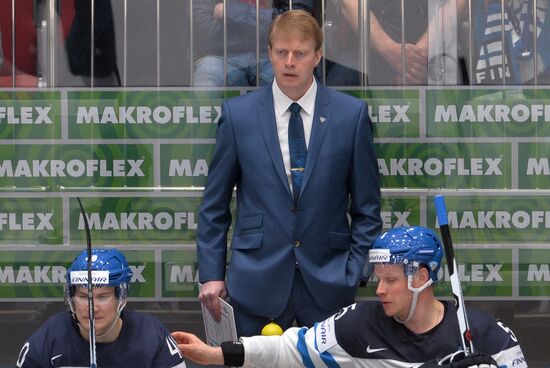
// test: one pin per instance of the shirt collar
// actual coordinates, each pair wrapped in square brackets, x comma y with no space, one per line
[282,102]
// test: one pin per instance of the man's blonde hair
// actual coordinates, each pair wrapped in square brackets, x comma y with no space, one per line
[298,21]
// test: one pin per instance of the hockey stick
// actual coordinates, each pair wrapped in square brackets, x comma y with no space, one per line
[463,324]
[91,325]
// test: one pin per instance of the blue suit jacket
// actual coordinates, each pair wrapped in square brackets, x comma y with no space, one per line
[341,177]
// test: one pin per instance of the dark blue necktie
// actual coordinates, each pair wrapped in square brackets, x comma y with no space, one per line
[297,147]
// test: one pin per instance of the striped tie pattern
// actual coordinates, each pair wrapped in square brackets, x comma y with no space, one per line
[297,147]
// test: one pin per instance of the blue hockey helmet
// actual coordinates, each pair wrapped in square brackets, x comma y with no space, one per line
[411,246]
[109,268]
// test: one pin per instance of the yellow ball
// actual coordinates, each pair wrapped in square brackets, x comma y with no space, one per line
[272,329]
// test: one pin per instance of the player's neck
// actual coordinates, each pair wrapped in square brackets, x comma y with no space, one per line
[428,315]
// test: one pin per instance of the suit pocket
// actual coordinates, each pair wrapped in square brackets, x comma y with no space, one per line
[247,241]
[249,222]
[339,241]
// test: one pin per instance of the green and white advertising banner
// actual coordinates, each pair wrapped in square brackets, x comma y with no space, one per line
[533,165]
[139,160]
[149,114]
[55,167]
[496,219]
[400,211]
[534,272]
[185,165]
[395,113]
[179,273]
[42,274]
[136,220]
[481,112]
[482,272]
[30,115]
[445,165]
[31,221]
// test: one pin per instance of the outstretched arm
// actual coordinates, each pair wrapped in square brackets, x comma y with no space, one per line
[317,346]
[196,350]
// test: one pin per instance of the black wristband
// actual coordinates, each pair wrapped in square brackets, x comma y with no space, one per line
[233,353]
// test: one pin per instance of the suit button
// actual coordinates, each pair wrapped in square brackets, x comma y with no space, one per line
[293,209]
[297,243]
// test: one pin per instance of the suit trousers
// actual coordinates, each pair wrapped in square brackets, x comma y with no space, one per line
[301,310]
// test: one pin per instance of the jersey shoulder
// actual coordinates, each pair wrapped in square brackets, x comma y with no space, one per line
[490,334]
[58,332]
[137,323]
[366,319]
[59,326]
[152,338]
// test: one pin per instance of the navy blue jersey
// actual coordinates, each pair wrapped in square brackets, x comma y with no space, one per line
[143,342]
[362,336]
[382,337]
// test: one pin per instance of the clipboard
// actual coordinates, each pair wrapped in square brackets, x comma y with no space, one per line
[224,330]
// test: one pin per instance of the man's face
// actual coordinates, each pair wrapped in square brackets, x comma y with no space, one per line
[392,290]
[293,59]
[105,308]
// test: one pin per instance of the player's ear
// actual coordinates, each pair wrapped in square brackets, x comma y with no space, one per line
[422,275]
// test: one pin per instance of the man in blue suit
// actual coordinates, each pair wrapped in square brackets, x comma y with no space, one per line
[300,241]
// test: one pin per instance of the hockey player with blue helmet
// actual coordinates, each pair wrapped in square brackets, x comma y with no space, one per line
[408,326]
[109,268]
[408,248]
[123,338]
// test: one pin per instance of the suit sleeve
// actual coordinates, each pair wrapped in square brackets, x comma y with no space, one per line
[366,223]
[215,213]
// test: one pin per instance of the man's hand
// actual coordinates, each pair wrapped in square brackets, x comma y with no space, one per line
[416,59]
[209,294]
[194,349]
[458,360]
[218,11]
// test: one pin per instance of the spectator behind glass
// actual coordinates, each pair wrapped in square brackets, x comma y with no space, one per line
[519,57]
[423,56]
[1,52]
[22,79]
[241,40]
[79,43]
[342,43]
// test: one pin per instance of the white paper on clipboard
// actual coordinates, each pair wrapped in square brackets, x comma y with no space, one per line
[224,330]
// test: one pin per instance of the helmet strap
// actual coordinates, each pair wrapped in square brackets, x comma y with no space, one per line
[415,291]
[119,308]
[69,300]
[121,304]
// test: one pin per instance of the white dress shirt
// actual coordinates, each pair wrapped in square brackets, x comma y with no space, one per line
[281,103]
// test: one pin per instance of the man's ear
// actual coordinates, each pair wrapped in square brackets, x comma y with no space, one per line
[422,275]
[269,52]
[318,56]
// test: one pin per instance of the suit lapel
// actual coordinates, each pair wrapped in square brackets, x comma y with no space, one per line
[266,116]
[319,129]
